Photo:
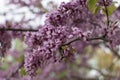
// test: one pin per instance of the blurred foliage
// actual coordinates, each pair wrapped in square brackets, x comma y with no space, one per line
[18,45]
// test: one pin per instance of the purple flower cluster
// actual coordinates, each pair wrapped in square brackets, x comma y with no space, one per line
[32,62]
[45,43]
[67,13]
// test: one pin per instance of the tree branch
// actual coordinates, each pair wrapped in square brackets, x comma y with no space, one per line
[88,39]
[21,30]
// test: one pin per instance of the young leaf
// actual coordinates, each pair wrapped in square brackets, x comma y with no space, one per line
[92,4]
[22,71]
[111,8]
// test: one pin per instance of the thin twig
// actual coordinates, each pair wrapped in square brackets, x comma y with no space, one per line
[88,39]
[21,30]
[71,41]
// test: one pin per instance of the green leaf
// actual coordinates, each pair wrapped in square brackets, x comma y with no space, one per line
[111,9]
[22,71]
[92,5]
